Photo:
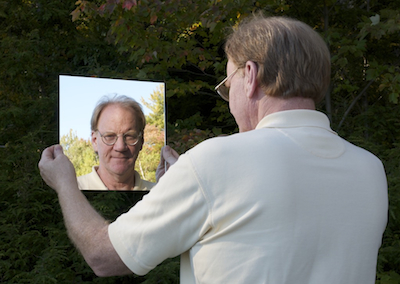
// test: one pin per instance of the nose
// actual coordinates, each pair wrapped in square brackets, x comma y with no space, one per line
[120,144]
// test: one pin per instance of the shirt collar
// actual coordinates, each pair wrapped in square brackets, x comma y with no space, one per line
[295,118]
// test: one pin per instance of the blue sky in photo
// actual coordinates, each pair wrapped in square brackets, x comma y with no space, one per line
[78,97]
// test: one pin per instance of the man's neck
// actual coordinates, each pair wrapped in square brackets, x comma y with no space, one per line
[270,105]
[117,182]
[267,105]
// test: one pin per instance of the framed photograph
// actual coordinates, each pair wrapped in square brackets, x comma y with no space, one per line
[78,97]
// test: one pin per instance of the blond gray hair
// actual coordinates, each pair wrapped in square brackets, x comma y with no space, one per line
[123,101]
[293,60]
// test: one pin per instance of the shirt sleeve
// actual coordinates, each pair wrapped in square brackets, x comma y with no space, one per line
[167,222]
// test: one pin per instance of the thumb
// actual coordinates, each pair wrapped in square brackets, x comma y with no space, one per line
[58,150]
[170,155]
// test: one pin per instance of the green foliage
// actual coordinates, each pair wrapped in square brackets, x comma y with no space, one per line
[154,139]
[156,117]
[38,42]
[390,277]
[184,139]
[149,157]
[80,152]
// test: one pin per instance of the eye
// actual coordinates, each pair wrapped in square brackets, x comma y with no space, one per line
[110,137]
[131,137]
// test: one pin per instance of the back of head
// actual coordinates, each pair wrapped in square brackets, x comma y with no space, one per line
[293,60]
[123,101]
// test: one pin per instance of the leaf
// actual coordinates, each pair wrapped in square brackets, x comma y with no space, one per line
[128,4]
[153,19]
[394,98]
[75,14]
[375,19]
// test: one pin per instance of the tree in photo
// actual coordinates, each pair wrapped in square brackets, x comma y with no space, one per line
[157,107]
[154,138]
[80,152]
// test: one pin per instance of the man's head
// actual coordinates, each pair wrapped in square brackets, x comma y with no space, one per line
[123,101]
[292,59]
[120,117]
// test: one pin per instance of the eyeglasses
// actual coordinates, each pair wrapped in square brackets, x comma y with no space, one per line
[130,138]
[223,90]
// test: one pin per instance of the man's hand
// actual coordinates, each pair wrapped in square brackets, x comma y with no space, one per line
[168,157]
[56,169]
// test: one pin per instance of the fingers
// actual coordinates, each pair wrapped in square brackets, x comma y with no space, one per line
[47,155]
[58,150]
[169,155]
[55,168]
[160,171]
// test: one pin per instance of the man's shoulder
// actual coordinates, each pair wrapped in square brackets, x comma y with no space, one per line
[237,140]
[362,154]
[216,144]
[224,146]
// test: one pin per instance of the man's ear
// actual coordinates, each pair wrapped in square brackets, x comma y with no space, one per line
[94,141]
[250,73]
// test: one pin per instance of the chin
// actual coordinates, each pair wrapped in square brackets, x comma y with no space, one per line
[122,168]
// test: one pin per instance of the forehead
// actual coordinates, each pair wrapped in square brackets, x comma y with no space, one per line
[116,118]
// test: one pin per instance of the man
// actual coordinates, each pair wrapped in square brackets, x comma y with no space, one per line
[117,126]
[284,201]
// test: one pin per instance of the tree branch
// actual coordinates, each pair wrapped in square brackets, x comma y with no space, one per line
[354,102]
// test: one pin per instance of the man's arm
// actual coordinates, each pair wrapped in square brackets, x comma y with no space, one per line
[87,229]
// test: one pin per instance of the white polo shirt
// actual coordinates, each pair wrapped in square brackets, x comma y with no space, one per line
[289,202]
[92,181]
